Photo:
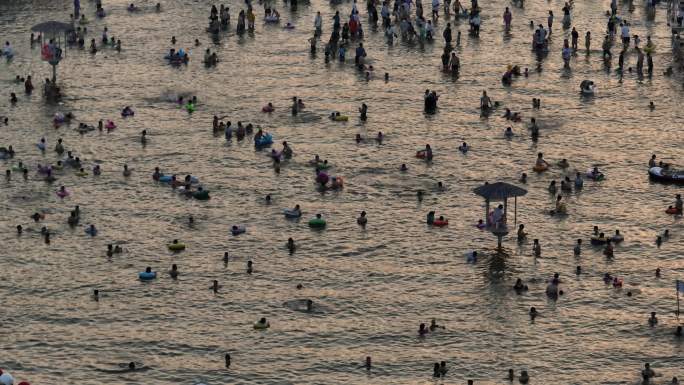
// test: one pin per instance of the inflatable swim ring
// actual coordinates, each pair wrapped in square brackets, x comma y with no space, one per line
[238,229]
[290,213]
[595,177]
[598,241]
[540,168]
[317,223]
[264,140]
[190,107]
[145,276]
[671,211]
[6,378]
[260,326]
[201,195]
[337,183]
[421,154]
[439,223]
[340,118]
[62,194]
[127,113]
[670,176]
[165,178]
[267,108]
[110,125]
[176,246]
[90,231]
[82,173]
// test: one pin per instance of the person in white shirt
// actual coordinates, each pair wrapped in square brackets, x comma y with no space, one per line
[318,24]
[624,32]
[498,214]
[435,9]
[7,50]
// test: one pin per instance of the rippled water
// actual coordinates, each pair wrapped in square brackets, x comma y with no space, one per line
[374,285]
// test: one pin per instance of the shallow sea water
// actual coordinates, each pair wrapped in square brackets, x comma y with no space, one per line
[375,285]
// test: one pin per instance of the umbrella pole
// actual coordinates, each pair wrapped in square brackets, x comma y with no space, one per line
[515,212]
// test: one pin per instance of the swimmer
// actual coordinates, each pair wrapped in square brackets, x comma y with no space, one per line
[657,272]
[519,286]
[647,372]
[509,132]
[442,368]
[174,271]
[363,111]
[524,377]
[419,195]
[540,160]
[533,313]
[436,370]
[653,320]
[552,187]
[536,248]
[422,330]
[96,295]
[126,171]
[362,220]
[578,248]
[143,137]
[268,199]
[367,364]
[651,106]
[309,305]
[227,359]
[440,186]
[291,245]
[608,251]
[511,375]
[214,286]
[358,138]
[403,167]
[523,178]
[678,331]
[434,326]
[521,233]
[380,137]
[262,324]
[250,267]
[19,230]
[471,256]
[92,231]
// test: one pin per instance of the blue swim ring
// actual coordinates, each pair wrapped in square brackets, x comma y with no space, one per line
[265,140]
[145,276]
